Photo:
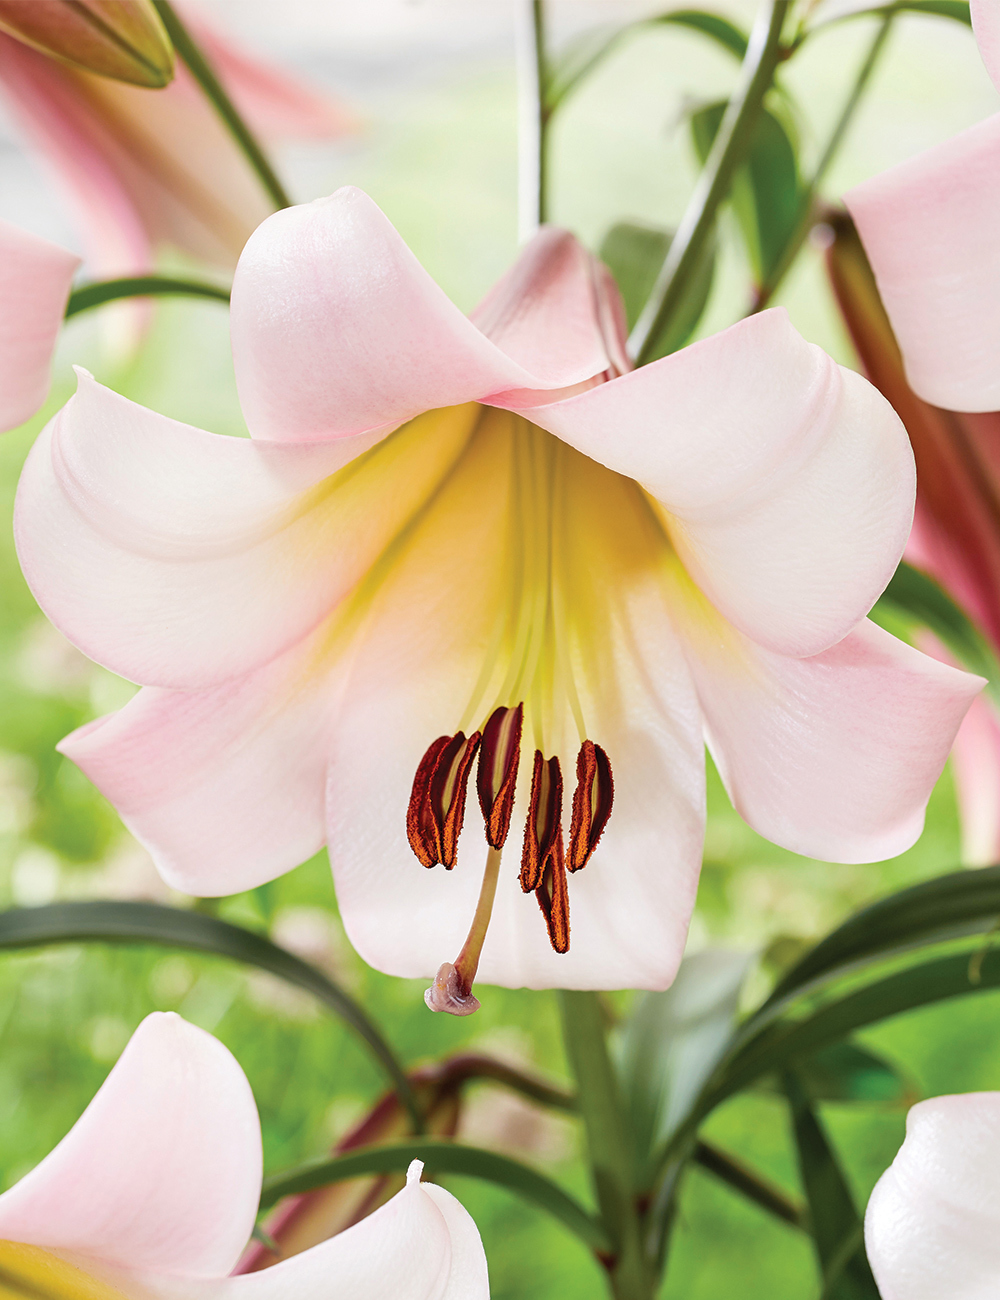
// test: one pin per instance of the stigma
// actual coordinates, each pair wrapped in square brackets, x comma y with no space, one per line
[436,815]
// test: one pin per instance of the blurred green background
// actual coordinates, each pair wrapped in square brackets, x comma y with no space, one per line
[439,154]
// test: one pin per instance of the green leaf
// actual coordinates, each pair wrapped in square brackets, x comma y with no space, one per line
[846,1072]
[834,1221]
[444,1158]
[958,10]
[99,292]
[126,922]
[568,70]
[919,598]
[766,192]
[671,1042]
[634,254]
[783,1042]
[946,907]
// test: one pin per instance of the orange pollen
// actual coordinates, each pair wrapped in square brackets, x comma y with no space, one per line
[496,777]
[543,824]
[437,801]
[592,800]
[437,810]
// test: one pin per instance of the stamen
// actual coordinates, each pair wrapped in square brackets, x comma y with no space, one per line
[496,776]
[437,801]
[452,987]
[592,800]
[544,820]
[553,896]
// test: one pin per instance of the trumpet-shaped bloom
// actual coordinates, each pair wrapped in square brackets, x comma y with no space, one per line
[153,1194]
[149,167]
[956,526]
[35,278]
[932,1228]
[475,566]
[929,228]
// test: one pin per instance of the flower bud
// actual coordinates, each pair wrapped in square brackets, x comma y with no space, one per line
[121,39]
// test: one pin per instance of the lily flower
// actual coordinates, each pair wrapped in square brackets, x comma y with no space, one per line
[929,228]
[35,279]
[142,167]
[932,1227]
[956,525]
[475,590]
[153,1194]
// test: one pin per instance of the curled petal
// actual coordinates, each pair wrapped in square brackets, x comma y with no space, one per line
[932,1227]
[929,229]
[789,486]
[338,329]
[162,1171]
[35,278]
[833,756]
[181,558]
[421,1245]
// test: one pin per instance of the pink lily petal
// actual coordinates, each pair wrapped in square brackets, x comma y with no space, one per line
[414,673]
[35,278]
[162,1171]
[789,486]
[180,558]
[833,756]
[986,25]
[338,329]
[421,1245]
[225,787]
[931,1229]
[929,229]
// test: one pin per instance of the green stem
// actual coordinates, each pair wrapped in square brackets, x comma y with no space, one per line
[609,1144]
[750,1184]
[534,121]
[729,150]
[804,220]
[201,70]
[471,1066]
[139,286]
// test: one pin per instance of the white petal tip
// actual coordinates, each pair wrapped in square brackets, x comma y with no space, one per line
[448,993]
[415,1172]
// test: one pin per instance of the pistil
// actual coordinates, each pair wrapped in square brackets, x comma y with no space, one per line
[452,987]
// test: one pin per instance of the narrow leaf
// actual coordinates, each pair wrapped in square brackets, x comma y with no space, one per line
[671,1042]
[766,191]
[128,922]
[958,10]
[444,1158]
[945,907]
[834,1221]
[99,292]
[568,70]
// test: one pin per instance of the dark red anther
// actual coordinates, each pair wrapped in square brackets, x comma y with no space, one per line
[544,820]
[553,896]
[496,776]
[437,801]
[592,800]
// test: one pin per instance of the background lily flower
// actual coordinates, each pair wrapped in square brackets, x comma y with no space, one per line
[956,525]
[154,1192]
[392,591]
[931,1229]
[144,167]
[35,279]
[929,228]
